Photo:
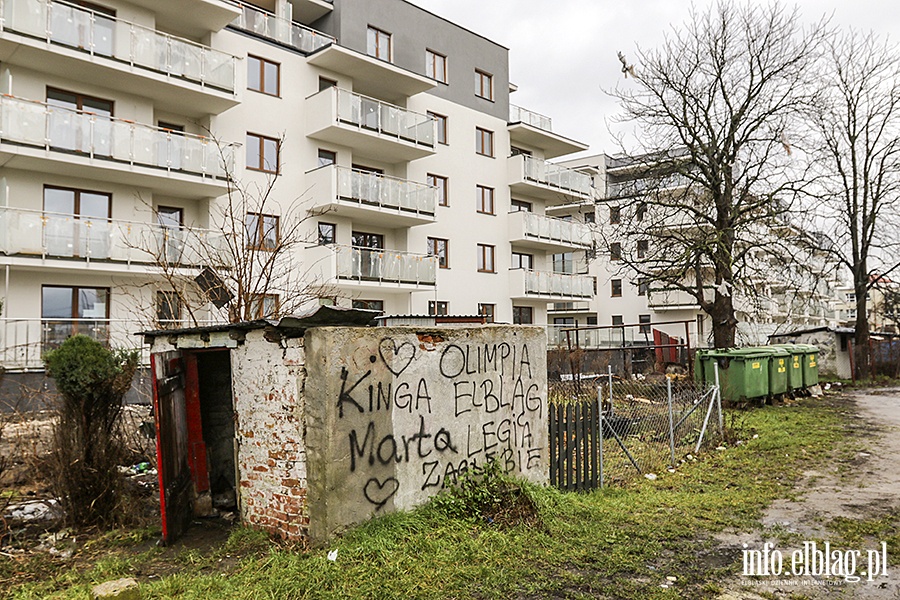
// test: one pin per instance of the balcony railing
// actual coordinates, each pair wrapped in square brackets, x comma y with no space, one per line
[56,235]
[567,180]
[386,266]
[55,128]
[383,118]
[386,192]
[23,342]
[597,338]
[517,114]
[556,230]
[638,187]
[546,283]
[98,34]
[273,27]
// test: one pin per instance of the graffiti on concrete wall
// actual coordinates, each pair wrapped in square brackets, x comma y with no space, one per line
[416,412]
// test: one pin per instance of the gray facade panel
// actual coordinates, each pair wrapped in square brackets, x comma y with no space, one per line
[413,30]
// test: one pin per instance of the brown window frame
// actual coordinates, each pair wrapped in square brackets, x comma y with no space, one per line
[433,250]
[615,288]
[262,139]
[615,215]
[615,251]
[173,300]
[643,247]
[260,242]
[438,308]
[483,196]
[433,74]
[441,125]
[487,310]
[443,184]
[79,101]
[482,135]
[258,305]
[521,310]
[262,75]
[485,251]
[378,36]
[323,153]
[323,226]
[480,78]
[367,304]
[76,206]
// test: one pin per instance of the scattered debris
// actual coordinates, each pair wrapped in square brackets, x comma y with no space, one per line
[332,556]
[650,476]
[121,589]
[35,510]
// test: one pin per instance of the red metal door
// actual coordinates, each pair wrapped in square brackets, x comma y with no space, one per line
[175,493]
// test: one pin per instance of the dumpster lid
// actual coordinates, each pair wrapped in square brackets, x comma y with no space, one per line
[748,353]
[774,350]
[807,348]
[791,348]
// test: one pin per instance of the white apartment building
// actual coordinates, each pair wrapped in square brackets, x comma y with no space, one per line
[798,296]
[385,128]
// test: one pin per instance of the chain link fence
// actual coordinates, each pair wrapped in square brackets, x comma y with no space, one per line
[648,424]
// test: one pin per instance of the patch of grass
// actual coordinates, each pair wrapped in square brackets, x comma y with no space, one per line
[502,538]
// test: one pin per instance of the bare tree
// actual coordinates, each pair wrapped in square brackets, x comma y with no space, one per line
[857,119]
[248,260]
[714,107]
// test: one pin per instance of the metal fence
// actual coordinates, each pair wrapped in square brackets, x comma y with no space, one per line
[647,425]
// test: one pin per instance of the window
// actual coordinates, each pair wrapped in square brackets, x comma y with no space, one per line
[522,261]
[74,101]
[171,221]
[485,258]
[615,215]
[438,308]
[327,233]
[326,84]
[523,315]
[168,309]
[615,287]
[83,204]
[369,305]
[443,186]
[484,85]
[700,321]
[484,142]
[615,251]
[520,206]
[262,153]
[589,217]
[374,241]
[484,199]
[93,32]
[67,236]
[326,158]
[640,212]
[263,306]
[70,132]
[379,44]
[262,231]
[440,248]
[643,287]
[618,320]
[441,126]
[564,262]
[436,65]
[642,247]
[170,217]
[516,151]
[263,76]
[70,310]
[487,311]
[644,320]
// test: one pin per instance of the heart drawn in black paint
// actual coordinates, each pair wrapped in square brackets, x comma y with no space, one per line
[379,493]
[397,358]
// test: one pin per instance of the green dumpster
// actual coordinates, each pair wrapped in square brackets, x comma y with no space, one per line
[809,364]
[743,372]
[779,361]
[795,367]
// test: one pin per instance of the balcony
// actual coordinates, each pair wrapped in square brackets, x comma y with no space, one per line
[640,187]
[120,151]
[378,200]
[371,127]
[307,11]
[530,230]
[197,20]
[525,284]
[373,270]
[539,179]
[23,342]
[534,129]
[662,299]
[283,31]
[33,238]
[78,43]
[372,76]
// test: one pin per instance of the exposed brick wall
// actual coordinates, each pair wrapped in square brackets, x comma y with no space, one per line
[268,380]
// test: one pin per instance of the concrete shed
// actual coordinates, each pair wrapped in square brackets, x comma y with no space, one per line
[834,345]
[309,424]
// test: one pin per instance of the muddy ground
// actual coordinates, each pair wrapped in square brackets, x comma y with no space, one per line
[860,484]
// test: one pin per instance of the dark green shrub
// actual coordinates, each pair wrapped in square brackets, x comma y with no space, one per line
[92,381]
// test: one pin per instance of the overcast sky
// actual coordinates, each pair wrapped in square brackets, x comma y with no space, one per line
[562,53]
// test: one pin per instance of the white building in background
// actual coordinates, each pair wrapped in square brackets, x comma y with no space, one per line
[797,297]
[427,190]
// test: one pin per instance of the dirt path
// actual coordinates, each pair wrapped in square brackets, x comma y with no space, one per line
[861,484]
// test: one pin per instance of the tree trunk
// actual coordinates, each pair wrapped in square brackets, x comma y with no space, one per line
[862,357]
[724,323]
